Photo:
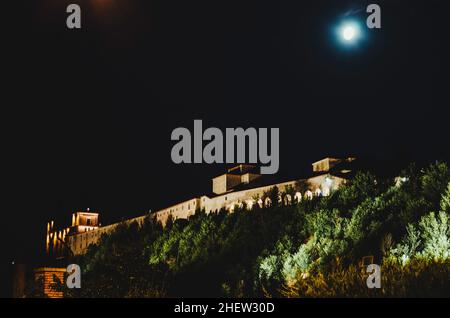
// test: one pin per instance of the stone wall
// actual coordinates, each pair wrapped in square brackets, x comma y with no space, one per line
[46,276]
[320,185]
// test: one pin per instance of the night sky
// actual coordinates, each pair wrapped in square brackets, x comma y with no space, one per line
[87,114]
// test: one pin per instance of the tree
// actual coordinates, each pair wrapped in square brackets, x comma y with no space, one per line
[445,200]
[274,196]
[435,181]
[429,238]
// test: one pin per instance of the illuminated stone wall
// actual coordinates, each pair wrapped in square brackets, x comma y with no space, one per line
[56,240]
[45,279]
[84,233]
[320,185]
[225,182]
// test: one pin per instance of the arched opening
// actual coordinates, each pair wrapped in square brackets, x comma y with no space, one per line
[260,203]
[287,199]
[250,203]
[318,192]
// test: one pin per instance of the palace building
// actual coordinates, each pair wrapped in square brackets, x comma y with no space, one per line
[239,186]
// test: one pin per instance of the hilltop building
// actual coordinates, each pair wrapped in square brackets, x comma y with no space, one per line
[238,186]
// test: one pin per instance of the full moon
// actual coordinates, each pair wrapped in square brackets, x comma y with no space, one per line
[348,33]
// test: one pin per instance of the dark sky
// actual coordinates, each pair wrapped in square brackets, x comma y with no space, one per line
[87,114]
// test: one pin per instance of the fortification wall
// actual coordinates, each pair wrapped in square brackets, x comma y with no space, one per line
[319,185]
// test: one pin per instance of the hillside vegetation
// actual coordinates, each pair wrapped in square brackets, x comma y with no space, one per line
[311,248]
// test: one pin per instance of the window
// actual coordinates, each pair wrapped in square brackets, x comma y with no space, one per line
[88,221]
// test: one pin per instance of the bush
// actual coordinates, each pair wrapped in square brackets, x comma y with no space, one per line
[419,278]
[429,239]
